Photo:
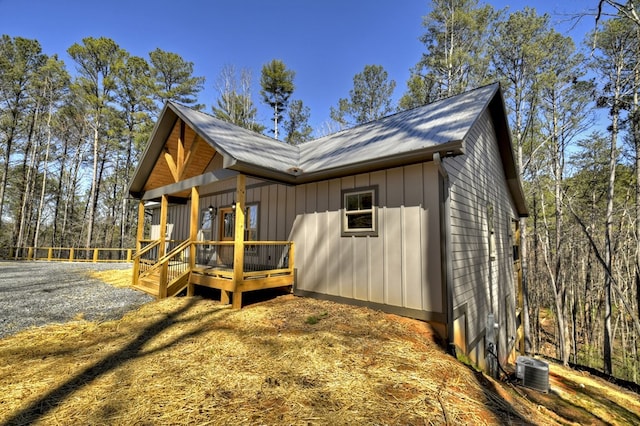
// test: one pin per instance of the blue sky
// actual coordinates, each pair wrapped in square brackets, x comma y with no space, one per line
[326,42]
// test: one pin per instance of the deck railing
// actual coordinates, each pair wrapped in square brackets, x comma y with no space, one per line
[266,264]
[258,255]
[68,254]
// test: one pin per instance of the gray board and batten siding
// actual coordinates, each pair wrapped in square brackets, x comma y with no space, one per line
[400,267]
[482,278]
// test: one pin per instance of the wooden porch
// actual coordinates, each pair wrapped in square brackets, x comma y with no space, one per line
[267,264]
[164,268]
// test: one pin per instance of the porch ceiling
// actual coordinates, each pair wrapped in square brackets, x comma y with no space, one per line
[184,155]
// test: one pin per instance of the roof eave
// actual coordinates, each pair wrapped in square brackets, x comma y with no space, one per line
[449,149]
[152,151]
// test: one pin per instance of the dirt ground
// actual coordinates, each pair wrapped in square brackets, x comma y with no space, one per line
[285,360]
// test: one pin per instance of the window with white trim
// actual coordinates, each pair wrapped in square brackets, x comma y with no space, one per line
[359,212]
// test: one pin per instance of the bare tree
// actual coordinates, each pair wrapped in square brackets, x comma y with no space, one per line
[235,103]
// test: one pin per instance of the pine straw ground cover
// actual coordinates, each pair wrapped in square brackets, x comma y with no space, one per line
[285,361]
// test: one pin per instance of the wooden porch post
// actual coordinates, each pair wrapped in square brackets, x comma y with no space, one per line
[139,237]
[162,248]
[193,233]
[238,246]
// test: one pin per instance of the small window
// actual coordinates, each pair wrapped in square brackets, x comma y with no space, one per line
[491,231]
[251,223]
[359,212]
[206,222]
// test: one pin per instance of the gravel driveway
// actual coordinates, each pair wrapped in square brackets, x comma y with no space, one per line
[39,293]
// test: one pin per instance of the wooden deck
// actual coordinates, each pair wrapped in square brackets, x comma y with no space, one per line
[174,272]
[165,267]
[223,279]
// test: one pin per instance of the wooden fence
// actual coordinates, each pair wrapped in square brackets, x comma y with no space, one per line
[68,254]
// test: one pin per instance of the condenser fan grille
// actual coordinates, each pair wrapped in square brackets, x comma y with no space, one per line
[533,373]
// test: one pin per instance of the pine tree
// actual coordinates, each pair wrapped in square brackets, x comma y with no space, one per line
[370,98]
[234,104]
[277,86]
[20,60]
[98,63]
[456,38]
[297,127]
[174,80]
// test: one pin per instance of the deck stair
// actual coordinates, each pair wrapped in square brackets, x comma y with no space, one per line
[149,284]
[166,277]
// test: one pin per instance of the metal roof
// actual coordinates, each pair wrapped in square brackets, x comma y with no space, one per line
[238,143]
[427,128]
[406,137]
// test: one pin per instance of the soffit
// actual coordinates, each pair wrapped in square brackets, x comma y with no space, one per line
[184,155]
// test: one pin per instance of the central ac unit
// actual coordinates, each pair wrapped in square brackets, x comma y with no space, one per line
[533,373]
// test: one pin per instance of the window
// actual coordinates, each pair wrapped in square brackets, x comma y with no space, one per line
[251,223]
[359,212]
[206,222]
[491,232]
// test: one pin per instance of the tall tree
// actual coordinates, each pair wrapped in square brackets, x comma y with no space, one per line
[296,127]
[277,86]
[174,80]
[20,60]
[98,61]
[370,98]
[456,39]
[563,110]
[235,104]
[53,85]
[615,50]
[517,55]
[133,95]
[71,131]
[635,136]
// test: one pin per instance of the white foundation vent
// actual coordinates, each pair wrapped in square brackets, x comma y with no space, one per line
[533,373]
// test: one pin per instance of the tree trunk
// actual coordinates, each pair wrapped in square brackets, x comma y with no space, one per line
[275,121]
[608,252]
[70,199]
[535,306]
[28,165]
[93,198]
[574,322]
[635,134]
[7,155]
[55,240]
[558,171]
[44,179]
[5,172]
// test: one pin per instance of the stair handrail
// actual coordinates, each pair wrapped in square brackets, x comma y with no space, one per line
[145,250]
[165,259]
[177,249]
[163,263]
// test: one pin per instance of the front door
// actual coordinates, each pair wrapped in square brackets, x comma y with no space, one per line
[227,224]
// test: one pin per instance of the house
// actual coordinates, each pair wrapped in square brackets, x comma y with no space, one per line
[415,214]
